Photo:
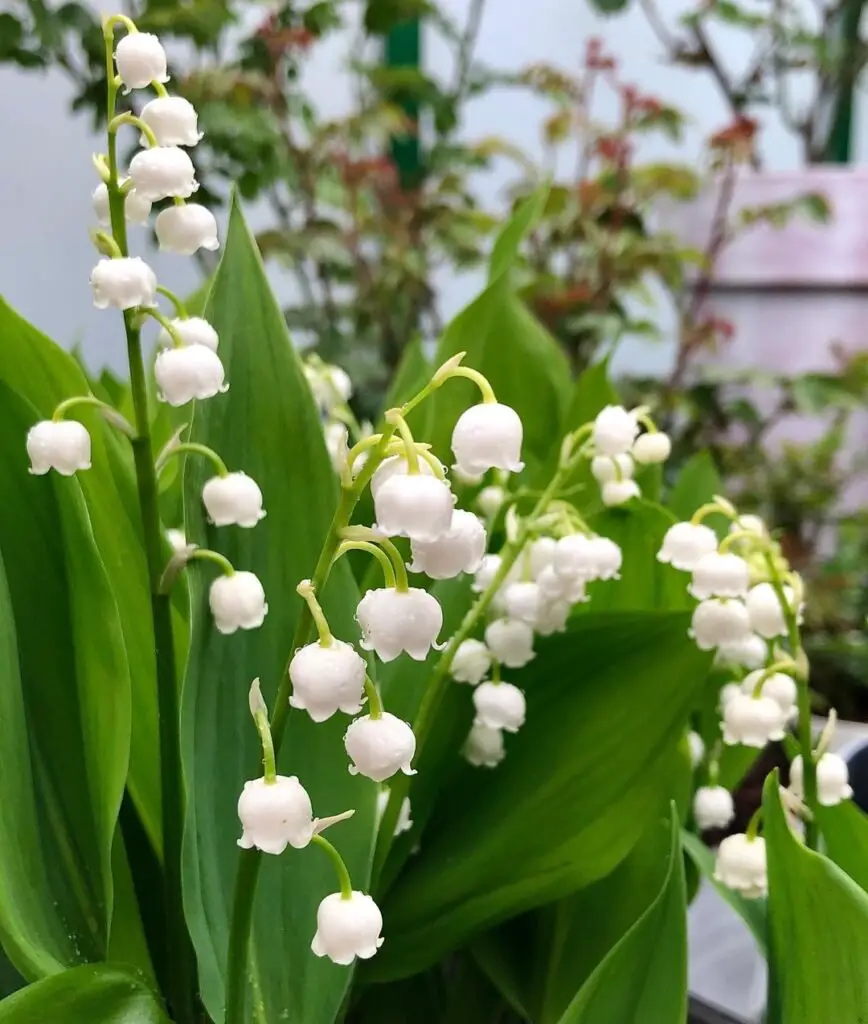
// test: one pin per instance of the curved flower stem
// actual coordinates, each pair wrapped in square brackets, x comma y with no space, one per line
[181,979]
[374,700]
[478,379]
[136,122]
[339,866]
[110,414]
[411,455]
[192,448]
[259,711]
[354,534]
[305,590]
[108,27]
[165,322]
[207,555]
[371,549]
[180,308]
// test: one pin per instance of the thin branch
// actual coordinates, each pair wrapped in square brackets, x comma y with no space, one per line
[466,47]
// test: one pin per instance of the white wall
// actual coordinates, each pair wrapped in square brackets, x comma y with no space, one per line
[46,176]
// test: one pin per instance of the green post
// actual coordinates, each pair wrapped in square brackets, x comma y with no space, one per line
[839,143]
[402,50]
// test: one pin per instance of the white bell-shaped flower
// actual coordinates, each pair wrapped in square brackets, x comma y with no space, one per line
[716,575]
[379,747]
[606,558]
[488,436]
[713,806]
[727,692]
[163,172]
[499,706]
[779,687]
[336,440]
[123,283]
[415,506]
[173,120]
[484,575]
[136,209]
[741,865]
[331,385]
[522,601]
[833,779]
[552,617]
[186,229]
[490,500]
[575,558]
[719,621]
[765,611]
[405,814]
[140,60]
[567,589]
[275,815]
[187,373]
[192,330]
[347,928]
[393,621]
[63,446]
[685,544]
[615,430]
[605,468]
[237,602]
[652,447]
[748,523]
[326,680]
[753,721]
[484,747]
[541,555]
[751,652]
[696,746]
[177,540]
[458,550]
[233,500]
[510,642]
[396,465]
[471,662]
[619,492]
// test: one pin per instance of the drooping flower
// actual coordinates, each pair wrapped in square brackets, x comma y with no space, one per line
[415,506]
[458,550]
[652,447]
[552,617]
[751,652]
[499,706]
[471,662]
[685,544]
[741,865]
[331,386]
[233,500]
[833,779]
[522,601]
[173,120]
[192,330]
[396,465]
[713,807]
[393,621]
[719,621]
[140,60]
[275,815]
[766,614]
[490,500]
[123,283]
[605,468]
[63,446]
[237,602]
[753,721]
[187,373]
[510,641]
[326,680]
[619,492]
[347,928]
[484,747]
[488,436]
[778,687]
[716,575]
[615,430]
[163,172]
[136,209]
[541,555]
[379,747]
[186,229]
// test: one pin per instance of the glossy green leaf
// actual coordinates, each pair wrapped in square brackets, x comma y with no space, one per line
[43,374]
[643,979]
[267,425]
[818,929]
[607,702]
[697,482]
[844,829]
[94,994]
[752,912]
[65,720]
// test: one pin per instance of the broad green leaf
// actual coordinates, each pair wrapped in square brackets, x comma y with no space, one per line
[818,929]
[643,980]
[844,829]
[607,702]
[266,425]
[697,482]
[65,721]
[411,375]
[43,374]
[94,994]
[752,912]
[522,222]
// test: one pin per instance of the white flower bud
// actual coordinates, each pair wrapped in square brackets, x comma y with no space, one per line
[393,621]
[541,555]
[652,447]
[63,446]
[719,621]
[751,652]
[331,386]
[833,779]
[697,748]
[379,747]
[346,929]
[575,558]
[173,120]
[490,500]
[415,506]
[713,806]
[510,641]
[136,209]
[336,440]
[186,229]
[233,500]
[326,680]
[396,465]
[753,722]
[488,436]
[741,865]
[123,283]
[162,173]
[499,706]
[471,662]
[458,550]
[141,59]
[192,371]
[615,430]
[765,611]
[484,747]
[522,601]
[552,617]
[685,544]
[405,820]
[619,492]
[605,468]
[716,575]
[275,815]
[237,602]
[177,540]
[192,330]
[484,576]
[605,558]
[780,687]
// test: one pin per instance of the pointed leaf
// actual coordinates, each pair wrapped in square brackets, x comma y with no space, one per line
[845,839]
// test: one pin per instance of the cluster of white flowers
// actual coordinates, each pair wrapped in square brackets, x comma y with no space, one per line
[618,448]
